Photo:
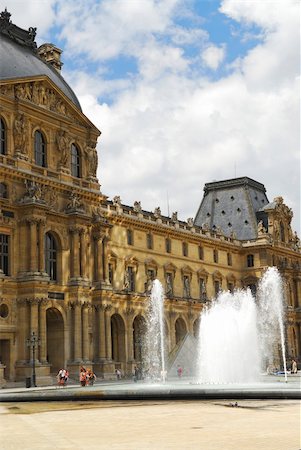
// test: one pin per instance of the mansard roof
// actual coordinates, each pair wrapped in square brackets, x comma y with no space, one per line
[19,58]
[232,206]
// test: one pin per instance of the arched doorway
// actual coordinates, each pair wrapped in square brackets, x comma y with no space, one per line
[139,327]
[55,339]
[181,330]
[118,338]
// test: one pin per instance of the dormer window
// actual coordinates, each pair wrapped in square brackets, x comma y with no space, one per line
[2,137]
[75,161]
[39,149]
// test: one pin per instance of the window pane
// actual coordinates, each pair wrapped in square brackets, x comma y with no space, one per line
[2,137]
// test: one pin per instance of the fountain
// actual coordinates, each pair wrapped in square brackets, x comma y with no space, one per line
[154,361]
[238,337]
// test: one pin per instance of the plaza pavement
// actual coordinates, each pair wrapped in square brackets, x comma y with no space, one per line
[156,425]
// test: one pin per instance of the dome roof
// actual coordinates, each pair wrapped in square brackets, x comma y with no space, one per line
[19,58]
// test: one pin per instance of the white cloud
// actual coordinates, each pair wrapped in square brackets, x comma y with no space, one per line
[169,127]
[213,56]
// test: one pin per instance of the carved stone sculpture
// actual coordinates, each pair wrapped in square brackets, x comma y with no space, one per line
[63,147]
[137,206]
[92,160]
[20,134]
[157,212]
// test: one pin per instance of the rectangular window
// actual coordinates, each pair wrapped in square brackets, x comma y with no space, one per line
[250,260]
[216,287]
[201,253]
[130,239]
[215,256]
[229,259]
[186,283]
[4,253]
[185,248]
[203,294]
[230,287]
[131,275]
[149,241]
[111,273]
[168,245]
[169,285]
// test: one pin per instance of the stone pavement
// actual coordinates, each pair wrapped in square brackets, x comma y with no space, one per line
[156,425]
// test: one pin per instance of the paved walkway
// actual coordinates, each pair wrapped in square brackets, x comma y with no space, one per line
[181,425]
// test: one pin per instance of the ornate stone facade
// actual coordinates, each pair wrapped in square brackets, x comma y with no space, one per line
[76,268]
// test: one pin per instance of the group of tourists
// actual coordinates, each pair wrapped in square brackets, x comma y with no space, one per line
[62,377]
[86,377]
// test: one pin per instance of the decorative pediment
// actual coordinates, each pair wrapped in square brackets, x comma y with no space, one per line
[150,263]
[217,275]
[202,273]
[131,261]
[43,92]
[170,267]
[186,270]
[231,278]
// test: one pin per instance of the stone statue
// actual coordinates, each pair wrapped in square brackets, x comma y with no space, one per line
[137,207]
[92,160]
[190,222]
[260,228]
[117,200]
[174,217]
[20,134]
[63,146]
[157,212]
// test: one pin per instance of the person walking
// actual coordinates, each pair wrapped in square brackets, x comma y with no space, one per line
[179,371]
[83,376]
[294,366]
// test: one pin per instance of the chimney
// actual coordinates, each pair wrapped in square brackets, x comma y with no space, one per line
[51,55]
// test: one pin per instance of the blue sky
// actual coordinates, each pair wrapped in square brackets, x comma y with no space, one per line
[184,91]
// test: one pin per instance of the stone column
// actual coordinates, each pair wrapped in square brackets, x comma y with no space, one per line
[77,332]
[129,336]
[83,259]
[33,263]
[105,277]
[23,329]
[102,332]
[172,330]
[43,331]
[85,333]
[98,256]
[42,245]
[74,260]
[108,332]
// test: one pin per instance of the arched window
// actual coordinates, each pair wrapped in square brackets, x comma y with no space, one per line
[250,260]
[51,256]
[39,149]
[75,161]
[2,137]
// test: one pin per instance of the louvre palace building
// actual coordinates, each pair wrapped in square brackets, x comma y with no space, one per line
[76,268]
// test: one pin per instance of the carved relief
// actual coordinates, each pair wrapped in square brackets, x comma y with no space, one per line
[35,193]
[74,204]
[41,95]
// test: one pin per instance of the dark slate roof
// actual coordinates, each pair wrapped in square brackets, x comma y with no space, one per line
[233,205]
[18,57]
